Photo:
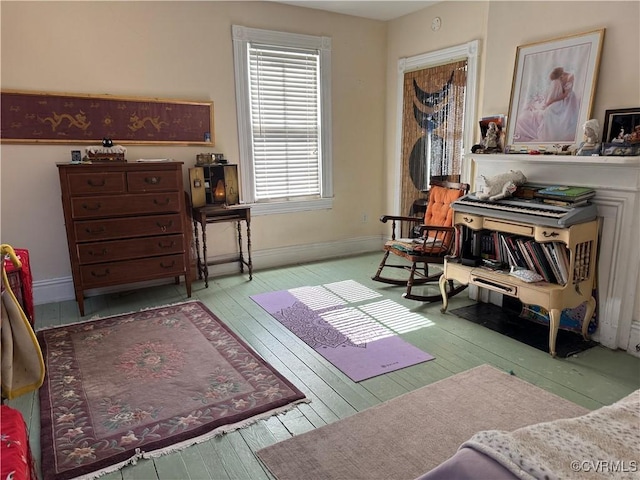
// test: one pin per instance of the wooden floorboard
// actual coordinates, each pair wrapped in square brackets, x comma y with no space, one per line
[593,378]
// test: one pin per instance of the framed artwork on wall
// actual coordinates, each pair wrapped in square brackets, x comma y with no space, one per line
[43,117]
[552,92]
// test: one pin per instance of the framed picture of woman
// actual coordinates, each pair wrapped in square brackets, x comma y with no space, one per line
[552,93]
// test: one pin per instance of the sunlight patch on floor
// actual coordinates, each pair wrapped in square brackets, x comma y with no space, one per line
[356,325]
[352,291]
[364,323]
[395,316]
[317,297]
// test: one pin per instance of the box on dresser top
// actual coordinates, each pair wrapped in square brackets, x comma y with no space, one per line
[125,223]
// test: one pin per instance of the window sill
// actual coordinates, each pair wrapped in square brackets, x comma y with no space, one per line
[291,206]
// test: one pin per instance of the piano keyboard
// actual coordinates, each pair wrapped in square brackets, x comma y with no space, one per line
[526,211]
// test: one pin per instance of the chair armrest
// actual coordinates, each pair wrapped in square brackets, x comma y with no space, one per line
[397,218]
[437,239]
[435,229]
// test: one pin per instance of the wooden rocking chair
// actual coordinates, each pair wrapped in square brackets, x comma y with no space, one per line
[435,240]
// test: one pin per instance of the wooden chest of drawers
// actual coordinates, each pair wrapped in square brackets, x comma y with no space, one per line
[126,222]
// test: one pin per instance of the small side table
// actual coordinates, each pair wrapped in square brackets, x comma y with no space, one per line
[218,214]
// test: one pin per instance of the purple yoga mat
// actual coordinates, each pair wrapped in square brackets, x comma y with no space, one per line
[342,333]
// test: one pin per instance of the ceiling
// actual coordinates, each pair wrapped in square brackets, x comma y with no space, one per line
[376,10]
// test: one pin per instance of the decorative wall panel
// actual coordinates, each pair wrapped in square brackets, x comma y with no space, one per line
[39,117]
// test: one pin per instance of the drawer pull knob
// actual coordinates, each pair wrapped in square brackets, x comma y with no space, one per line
[467,219]
[158,202]
[95,231]
[171,265]
[552,234]
[152,180]
[94,183]
[92,207]
[105,273]
[164,228]
[167,244]
[101,253]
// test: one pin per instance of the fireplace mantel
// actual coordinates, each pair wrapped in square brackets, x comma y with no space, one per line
[617,184]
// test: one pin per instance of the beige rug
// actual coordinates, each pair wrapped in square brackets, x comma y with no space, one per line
[411,434]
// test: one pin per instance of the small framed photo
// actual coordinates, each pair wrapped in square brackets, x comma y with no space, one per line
[492,130]
[622,126]
[76,156]
[499,120]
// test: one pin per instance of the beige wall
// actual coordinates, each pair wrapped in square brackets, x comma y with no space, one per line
[501,26]
[184,50]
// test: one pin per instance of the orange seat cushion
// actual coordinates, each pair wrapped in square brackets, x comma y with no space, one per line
[439,211]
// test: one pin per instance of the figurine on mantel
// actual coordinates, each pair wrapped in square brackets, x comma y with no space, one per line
[591,145]
[492,141]
[491,138]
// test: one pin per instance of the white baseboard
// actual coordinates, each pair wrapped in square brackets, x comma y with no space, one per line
[61,289]
[634,339]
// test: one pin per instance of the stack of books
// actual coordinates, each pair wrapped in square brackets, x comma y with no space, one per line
[565,196]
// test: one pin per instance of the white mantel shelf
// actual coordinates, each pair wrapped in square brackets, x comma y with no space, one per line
[572,160]
[616,181]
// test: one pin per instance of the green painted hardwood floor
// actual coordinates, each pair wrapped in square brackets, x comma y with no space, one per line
[594,378]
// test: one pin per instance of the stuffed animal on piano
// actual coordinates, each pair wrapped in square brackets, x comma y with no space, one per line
[501,186]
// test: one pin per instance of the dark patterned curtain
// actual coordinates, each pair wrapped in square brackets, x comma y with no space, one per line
[432,128]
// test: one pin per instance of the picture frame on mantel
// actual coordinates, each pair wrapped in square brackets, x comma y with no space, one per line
[621,132]
[622,126]
[552,93]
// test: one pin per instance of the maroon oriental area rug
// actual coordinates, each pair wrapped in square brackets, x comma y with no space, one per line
[147,383]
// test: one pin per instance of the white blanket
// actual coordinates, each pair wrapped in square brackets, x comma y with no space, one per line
[603,444]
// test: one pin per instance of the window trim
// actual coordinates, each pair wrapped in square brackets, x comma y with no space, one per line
[241,38]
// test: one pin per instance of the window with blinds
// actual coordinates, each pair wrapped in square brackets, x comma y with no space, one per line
[285,121]
[283,96]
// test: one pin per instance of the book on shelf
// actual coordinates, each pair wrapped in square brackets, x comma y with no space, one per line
[497,247]
[510,256]
[554,271]
[513,244]
[559,254]
[547,250]
[540,261]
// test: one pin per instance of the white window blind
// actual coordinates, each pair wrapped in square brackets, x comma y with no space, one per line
[285,121]
[283,97]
